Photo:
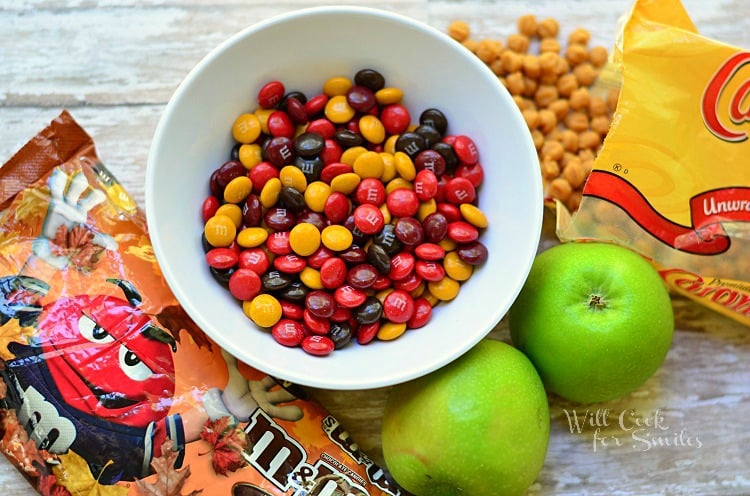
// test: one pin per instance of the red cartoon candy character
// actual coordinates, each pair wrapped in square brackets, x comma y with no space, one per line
[98,379]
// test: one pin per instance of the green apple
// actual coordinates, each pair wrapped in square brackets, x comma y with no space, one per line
[477,426]
[594,318]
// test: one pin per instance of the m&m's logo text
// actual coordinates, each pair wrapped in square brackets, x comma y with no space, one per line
[728,96]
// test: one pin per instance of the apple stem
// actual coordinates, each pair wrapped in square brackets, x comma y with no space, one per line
[596,302]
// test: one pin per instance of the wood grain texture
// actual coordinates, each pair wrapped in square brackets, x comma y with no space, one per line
[114,64]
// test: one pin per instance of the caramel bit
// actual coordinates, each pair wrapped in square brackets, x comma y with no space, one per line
[527,25]
[550,83]
[549,45]
[489,50]
[579,36]
[518,43]
[598,56]
[576,54]
[459,31]
[548,28]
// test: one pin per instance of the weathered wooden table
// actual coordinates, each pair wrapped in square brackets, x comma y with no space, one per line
[114,65]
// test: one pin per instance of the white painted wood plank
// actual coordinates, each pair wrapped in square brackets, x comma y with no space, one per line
[123,55]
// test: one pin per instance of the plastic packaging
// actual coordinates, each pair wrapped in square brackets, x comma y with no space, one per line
[671,181]
[108,387]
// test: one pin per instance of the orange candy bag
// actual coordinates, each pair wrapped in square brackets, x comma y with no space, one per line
[107,386]
[671,181]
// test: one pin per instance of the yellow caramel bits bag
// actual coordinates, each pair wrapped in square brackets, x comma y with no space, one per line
[671,181]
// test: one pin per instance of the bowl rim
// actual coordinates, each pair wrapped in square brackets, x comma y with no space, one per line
[150,184]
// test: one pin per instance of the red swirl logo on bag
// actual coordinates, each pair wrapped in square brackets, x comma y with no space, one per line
[739,103]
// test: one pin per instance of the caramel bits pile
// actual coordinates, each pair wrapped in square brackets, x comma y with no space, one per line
[551,85]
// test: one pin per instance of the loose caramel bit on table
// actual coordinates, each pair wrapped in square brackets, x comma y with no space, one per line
[569,140]
[598,56]
[471,44]
[576,54]
[459,31]
[518,43]
[548,28]
[579,36]
[585,73]
[600,124]
[489,50]
[549,45]
[580,99]
[527,25]
[547,120]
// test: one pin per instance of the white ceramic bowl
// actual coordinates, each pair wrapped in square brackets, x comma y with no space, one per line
[303,49]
